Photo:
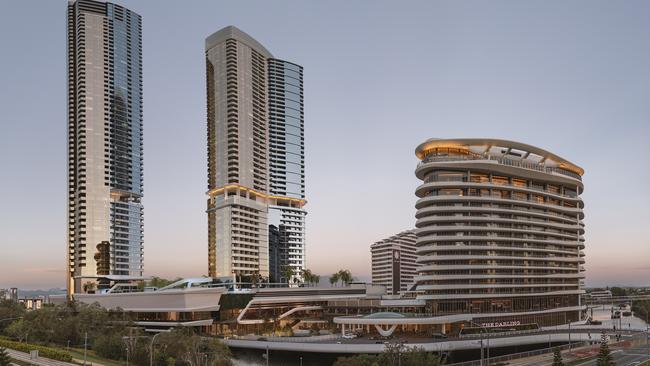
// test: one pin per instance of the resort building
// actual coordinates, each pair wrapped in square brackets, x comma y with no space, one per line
[393,262]
[255,158]
[105,213]
[499,232]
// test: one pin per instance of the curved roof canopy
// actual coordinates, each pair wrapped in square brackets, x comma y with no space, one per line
[488,146]
[232,32]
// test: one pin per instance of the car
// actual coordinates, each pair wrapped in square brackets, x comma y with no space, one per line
[595,322]
[349,336]
[438,336]
[627,313]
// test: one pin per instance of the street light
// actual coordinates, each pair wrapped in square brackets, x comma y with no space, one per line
[487,359]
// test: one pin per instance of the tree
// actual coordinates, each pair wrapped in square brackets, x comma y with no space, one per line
[618,291]
[307,276]
[185,345]
[334,279]
[5,360]
[359,360]
[345,276]
[256,278]
[557,357]
[18,330]
[604,355]
[9,309]
[394,354]
[288,272]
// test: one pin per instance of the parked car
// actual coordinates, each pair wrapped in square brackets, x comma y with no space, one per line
[439,336]
[349,336]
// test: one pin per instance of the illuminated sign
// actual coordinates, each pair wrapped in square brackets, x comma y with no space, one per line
[501,324]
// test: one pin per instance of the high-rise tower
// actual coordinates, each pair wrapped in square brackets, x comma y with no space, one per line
[255,155]
[105,237]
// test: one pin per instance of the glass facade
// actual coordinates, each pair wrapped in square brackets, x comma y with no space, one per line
[105,143]
[286,129]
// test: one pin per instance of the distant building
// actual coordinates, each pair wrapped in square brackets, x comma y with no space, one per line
[600,294]
[13,294]
[105,212]
[33,303]
[393,262]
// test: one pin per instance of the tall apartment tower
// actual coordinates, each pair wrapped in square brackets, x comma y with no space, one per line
[394,262]
[255,155]
[105,214]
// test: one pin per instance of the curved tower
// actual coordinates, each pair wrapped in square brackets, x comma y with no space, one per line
[255,159]
[499,232]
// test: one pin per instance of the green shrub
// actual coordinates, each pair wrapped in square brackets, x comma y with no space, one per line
[42,351]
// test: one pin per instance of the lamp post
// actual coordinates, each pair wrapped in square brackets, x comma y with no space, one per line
[487,358]
[569,335]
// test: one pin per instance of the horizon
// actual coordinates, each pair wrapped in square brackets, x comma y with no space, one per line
[574,81]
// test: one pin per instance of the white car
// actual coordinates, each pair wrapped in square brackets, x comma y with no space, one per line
[349,336]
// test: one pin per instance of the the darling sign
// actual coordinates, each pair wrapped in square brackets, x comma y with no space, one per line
[501,324]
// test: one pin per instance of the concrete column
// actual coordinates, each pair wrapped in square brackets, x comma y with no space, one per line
[342,328]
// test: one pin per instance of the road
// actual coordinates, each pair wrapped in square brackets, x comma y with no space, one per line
[625,357]
[622,357]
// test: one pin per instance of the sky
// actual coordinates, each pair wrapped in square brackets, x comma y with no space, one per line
[572,77]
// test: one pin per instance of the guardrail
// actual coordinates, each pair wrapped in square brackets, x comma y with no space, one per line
[636,339]
[515,356]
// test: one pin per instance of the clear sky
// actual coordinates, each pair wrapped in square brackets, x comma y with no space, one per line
[572,77]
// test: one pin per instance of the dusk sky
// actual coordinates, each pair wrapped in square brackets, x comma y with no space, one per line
[571,77]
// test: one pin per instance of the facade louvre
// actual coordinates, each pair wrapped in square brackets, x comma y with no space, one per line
[105,213]
[499,230]
[249,154]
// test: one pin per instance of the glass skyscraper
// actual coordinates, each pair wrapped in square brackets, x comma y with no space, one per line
[255,158]
[105,214]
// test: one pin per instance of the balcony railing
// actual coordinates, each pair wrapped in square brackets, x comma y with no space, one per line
[503,161]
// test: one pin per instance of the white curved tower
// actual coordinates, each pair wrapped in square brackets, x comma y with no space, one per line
[499,232]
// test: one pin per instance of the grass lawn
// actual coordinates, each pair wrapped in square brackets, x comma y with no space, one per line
[647,363]
[78,354]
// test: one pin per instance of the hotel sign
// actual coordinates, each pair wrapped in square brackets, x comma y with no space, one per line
[501,324]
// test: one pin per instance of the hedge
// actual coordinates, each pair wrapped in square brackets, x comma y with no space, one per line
[42,351]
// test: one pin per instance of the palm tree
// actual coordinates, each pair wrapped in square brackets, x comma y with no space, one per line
[315,280]
[256,278]
[307,276]
[557,358]
[604,356]
[288,272]
[345,276]
[4,358]
[334,278]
